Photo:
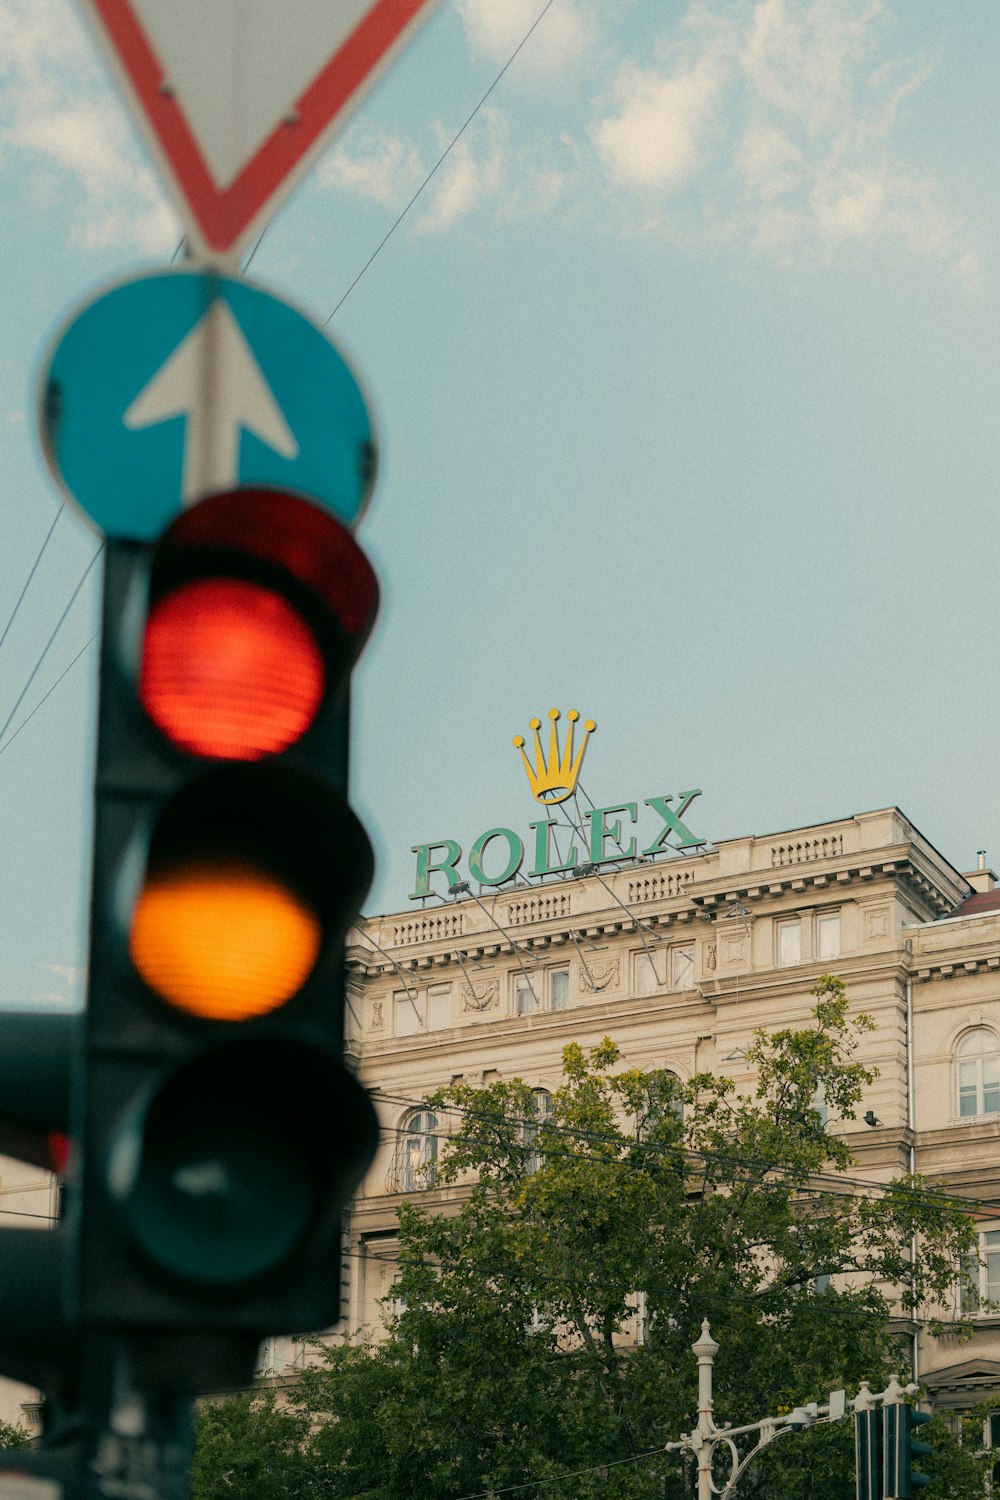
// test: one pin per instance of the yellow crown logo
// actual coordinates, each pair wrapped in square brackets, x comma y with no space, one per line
[553,778]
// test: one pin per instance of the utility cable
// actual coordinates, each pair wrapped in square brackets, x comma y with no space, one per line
[933,1197]
[253,252]
[533,1484]
[445,153]
[379,949]
[34,566]
[55,632]
[515,945]
[51,690]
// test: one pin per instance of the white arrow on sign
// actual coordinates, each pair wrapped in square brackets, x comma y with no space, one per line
[213,380]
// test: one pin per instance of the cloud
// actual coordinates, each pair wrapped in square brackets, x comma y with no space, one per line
[60,116]
[562,37]
[473,171]
[662,131]
[777,123]
[377,165]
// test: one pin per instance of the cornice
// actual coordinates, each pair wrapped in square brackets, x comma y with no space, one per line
[898,863]
[945,967]
[435,939]
[794,981]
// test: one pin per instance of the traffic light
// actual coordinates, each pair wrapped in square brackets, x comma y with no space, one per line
[901,1479]
[868,1453]
[38,1346]
[221,1132]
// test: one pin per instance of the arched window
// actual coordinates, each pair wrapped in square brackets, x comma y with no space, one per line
[663,1099]
[542,1111]
[418,1151]
[977,1059]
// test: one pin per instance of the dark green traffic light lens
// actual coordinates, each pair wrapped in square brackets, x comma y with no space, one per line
[220,1198]
[215,1189]
[218,1190]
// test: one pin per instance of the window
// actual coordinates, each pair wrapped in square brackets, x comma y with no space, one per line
[540,989]
[980,1283]
[525,998]
[418,1152]
[658,968]
[663,1099]
[438,1006]
[977,1060]
[991,1439]
[406,1017]
[788,942]
[542,1112]
[682,967]
[828,934]
[426,1010]
[650,970]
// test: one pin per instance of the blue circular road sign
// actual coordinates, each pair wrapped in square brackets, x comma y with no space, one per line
[180,384]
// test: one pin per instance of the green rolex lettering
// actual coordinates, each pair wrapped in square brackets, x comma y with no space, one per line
[601,831]
[426,866]
[541,865]
[672,823]
[515,856]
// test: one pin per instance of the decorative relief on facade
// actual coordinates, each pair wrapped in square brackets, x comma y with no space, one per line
[538,908]
[428,929]
[734,948]
[804,850]
[481,996]
[601,976]
[656,887]
[377,1022]
[876,923]
[710,956]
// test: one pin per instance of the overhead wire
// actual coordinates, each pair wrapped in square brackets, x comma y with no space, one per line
[34,567]
[533,1484]
[443,157]
[180,249]
[933,1197]
[55,631]
[10,740]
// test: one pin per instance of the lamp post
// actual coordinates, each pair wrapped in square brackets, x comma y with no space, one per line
[707,1436]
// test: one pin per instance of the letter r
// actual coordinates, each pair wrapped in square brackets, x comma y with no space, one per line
[426,866]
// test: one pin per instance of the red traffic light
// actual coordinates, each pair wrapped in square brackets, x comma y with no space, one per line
[230,669]
[260,605]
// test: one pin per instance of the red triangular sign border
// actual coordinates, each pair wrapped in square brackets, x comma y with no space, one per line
[222,219]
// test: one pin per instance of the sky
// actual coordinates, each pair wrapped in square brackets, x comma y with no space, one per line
[684,366]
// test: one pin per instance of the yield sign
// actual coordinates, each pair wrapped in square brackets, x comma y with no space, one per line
[238,95]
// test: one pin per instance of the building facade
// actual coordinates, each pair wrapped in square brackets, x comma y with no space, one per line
[679,960]
[28,1199]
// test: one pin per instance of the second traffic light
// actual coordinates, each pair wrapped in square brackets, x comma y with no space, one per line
[221,1132]
[901,1447]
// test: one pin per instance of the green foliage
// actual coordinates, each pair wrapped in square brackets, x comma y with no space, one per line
[249,1447]
[511,1354]
[14,1436]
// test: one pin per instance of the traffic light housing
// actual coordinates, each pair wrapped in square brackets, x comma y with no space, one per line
[868,1463]
[221,1132]
[901,1447]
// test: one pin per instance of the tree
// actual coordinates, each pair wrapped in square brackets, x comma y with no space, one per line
[515,1352]
[249,1447]
[14,1435]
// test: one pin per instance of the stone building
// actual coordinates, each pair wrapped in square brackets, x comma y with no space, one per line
[679,959]
[28,1198]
